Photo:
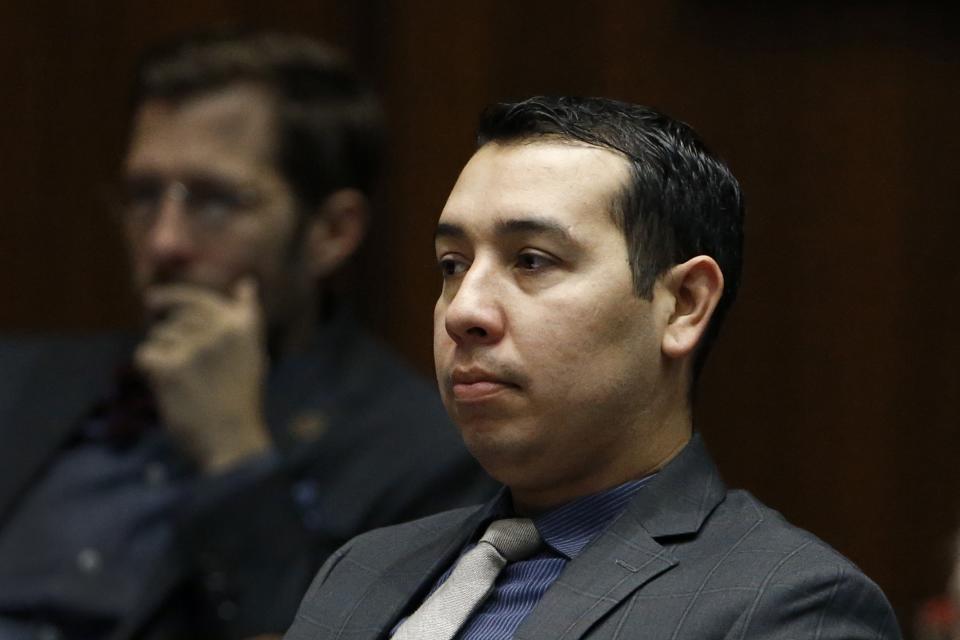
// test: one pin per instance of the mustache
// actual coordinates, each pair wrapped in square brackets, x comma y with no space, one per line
[500,371]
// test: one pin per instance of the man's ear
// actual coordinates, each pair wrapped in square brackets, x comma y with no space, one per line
[696,286]
[335,231]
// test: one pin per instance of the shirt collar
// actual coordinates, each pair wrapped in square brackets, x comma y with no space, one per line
[572,526]
[569,528]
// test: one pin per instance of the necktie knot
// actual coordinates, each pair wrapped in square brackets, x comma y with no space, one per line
[443,614]
[514,538]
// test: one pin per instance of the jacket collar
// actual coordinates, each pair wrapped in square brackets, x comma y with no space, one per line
[59,379]
[630,553]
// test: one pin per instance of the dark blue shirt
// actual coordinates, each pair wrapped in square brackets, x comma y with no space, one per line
[78,553]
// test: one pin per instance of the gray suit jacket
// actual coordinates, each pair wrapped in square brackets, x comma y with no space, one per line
[687,559]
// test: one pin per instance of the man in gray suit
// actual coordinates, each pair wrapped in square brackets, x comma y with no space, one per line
[589,251]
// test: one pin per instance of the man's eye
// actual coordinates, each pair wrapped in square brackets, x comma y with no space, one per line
[213,206]
[451,266]
[212,202]
[530,261]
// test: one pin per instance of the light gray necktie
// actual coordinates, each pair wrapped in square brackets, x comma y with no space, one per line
[471,581]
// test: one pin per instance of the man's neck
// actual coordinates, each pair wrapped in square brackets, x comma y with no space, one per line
[297,334]
[659,450]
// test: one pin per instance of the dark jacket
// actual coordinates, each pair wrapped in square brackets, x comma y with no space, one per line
[350,421]
[687,559]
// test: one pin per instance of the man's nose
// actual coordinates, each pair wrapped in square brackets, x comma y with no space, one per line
[171,238]
[475,314]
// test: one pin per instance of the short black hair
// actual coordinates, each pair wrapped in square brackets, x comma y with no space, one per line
[681,200]
[329,125]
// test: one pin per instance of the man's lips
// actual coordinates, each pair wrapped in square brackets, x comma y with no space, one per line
[474,385]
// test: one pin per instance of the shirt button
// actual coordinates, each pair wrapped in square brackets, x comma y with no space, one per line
[306,492]
[89,560]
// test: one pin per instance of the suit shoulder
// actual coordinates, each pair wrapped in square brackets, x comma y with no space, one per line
[25,349]
[766,529]
[758,575]
[77,362]
[790,566]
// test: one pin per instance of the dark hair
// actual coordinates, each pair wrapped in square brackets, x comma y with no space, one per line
[328,123]
[681,201]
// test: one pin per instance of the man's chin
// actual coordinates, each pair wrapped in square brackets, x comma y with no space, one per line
[494,442]
[506,461]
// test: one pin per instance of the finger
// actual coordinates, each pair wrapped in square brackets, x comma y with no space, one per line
[187,321]
[156,361]
[174,335]
[169,298]
[246,292]
[179,330]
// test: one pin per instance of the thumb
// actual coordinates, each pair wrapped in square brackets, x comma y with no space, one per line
[246,300]
[246,291]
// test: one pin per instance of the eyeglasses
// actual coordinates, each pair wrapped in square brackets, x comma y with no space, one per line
[208,203]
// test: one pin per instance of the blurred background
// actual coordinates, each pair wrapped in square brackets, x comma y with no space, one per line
[833,393]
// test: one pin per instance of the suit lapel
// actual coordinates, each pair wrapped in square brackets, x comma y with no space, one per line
[609,570]
[57,381]
[629,553]
[402,586]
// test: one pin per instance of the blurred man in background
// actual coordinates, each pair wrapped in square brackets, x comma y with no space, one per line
[188,482]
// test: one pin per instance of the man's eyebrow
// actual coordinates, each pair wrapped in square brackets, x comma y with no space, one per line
[511,227]
[515,226]
[447,230]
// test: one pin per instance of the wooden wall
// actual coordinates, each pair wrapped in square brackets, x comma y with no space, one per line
[832,394]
